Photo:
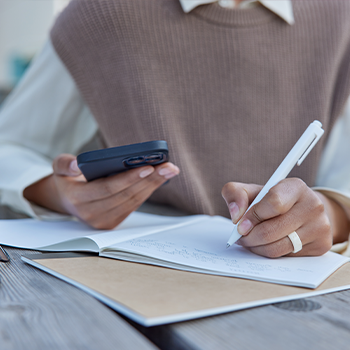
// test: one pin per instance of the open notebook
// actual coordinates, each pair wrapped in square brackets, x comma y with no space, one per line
[192,243]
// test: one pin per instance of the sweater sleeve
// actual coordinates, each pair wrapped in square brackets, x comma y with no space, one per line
[333,178]
[43,117]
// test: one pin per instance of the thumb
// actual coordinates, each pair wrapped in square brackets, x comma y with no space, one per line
[238,197]
[66,165]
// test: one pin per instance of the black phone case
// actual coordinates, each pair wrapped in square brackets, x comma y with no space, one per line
[110,161]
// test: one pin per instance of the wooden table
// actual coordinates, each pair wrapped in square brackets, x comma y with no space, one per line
[38,311]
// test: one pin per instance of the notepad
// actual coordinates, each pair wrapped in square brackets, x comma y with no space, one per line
[193,243]
[152,295]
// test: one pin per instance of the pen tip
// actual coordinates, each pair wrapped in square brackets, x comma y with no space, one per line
[228,245]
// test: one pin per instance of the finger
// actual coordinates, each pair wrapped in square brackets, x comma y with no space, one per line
[308,209]
[238,197]
[109,212]
[109,186]
[134,196]
[275,249]
[280,247]
[66,165]
[284,247]
[274,229]
[316,238]
[120,212]
[125,197]
[270,231]
[278,201]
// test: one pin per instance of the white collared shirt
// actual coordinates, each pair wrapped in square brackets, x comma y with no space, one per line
[45,116]
[282,8]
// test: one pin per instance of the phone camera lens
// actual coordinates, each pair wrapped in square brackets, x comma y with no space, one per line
[135,160]
[153,158]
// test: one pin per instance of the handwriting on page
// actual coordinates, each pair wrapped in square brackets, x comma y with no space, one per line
[199,247]
[197,257]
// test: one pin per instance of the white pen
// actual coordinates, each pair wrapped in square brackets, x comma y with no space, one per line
[297,154]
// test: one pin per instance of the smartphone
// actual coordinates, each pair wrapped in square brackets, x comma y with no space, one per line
[114,160]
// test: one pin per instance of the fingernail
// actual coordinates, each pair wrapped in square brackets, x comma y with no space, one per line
[74,167]
[234,211]
[169,176]
[244,227]
[146,172]
[165,171]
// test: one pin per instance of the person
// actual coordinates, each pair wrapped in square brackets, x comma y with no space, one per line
[230,89]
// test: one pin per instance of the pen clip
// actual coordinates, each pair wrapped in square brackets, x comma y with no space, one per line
[317,133]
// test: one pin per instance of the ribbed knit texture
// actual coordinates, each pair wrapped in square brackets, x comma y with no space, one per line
[230,90]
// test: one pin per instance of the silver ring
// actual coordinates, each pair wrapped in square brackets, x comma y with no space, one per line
[295,239]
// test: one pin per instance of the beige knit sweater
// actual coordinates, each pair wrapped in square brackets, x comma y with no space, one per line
[230,90]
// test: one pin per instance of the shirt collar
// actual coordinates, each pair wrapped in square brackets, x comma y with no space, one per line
[282,8]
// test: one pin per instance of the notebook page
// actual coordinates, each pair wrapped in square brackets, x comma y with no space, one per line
[34,234]
[133,230]
[201,247]
[74,235]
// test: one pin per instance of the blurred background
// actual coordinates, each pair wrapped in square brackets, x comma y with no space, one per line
[24,28]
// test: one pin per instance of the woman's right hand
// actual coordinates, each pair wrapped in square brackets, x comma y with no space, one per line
[103,203]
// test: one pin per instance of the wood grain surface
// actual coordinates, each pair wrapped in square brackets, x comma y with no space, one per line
[38,311]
